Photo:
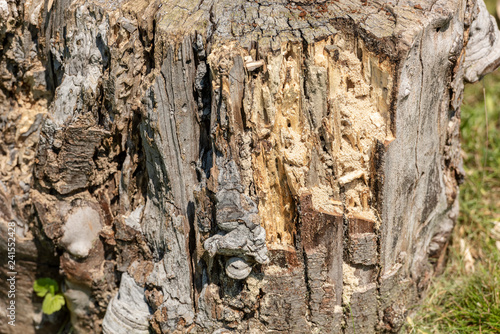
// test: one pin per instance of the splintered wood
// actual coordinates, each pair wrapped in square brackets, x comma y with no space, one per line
[231,165]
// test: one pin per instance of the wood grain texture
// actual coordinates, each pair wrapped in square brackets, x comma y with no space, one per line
[246,166]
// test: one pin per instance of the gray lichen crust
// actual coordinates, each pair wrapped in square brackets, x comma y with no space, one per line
[128,311]
[230,165]
[237,216]
[483,49]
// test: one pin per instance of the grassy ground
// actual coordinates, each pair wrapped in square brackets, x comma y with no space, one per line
[466,297]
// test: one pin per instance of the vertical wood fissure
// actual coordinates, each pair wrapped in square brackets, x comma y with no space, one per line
[234,165]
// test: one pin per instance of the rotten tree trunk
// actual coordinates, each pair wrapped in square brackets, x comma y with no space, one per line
[232,165]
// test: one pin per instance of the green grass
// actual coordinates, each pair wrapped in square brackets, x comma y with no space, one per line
[460,300]
[462,304]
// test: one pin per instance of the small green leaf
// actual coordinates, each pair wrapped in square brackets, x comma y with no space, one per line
[53,303]
[44,285]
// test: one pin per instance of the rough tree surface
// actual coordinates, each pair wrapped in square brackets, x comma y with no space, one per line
[215,166]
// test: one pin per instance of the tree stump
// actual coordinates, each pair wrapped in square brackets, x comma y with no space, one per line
[232,165]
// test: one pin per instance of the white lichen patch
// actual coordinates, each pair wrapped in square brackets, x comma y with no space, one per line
[128,311]
[134,219]
[83,62]
[80,230]
[4,10]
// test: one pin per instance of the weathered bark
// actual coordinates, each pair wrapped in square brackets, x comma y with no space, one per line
[233,165]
